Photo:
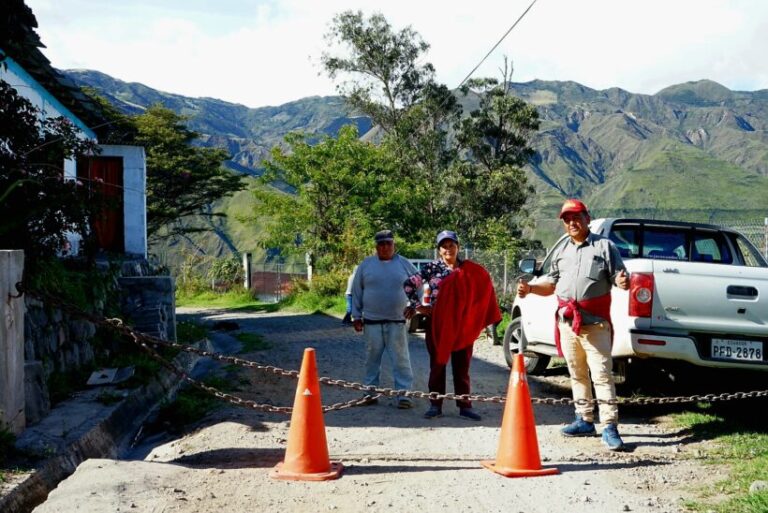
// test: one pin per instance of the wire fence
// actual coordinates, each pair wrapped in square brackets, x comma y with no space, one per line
[272,280]
[756,233]
[503,266]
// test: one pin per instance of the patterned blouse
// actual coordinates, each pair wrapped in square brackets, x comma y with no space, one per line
[432,273]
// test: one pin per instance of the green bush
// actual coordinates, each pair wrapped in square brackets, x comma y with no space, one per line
[331,283]
[227,271]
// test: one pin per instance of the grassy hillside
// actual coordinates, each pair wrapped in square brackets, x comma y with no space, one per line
[678,181]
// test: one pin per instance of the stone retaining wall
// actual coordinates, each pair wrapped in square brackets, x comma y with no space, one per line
[55,341]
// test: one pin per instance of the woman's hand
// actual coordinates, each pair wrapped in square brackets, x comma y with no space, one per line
[410,311]
[424,309]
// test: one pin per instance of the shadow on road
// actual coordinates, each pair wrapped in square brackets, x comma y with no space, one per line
[340,354]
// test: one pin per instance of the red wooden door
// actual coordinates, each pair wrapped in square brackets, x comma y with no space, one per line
[104,176]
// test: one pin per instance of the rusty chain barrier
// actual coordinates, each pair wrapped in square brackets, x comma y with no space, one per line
[148,344]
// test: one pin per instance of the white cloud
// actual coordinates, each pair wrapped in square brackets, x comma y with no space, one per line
[261,52]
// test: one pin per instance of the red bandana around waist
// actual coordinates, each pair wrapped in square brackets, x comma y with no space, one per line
[599,306]
[465,306]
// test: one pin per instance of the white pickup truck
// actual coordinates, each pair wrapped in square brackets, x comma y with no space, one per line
[698,293]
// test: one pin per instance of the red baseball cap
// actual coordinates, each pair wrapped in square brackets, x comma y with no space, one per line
[574,206]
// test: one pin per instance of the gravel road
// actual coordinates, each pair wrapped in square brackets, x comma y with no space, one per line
[394,460]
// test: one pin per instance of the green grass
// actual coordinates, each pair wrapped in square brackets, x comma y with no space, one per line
[741,443]
[252,342]
[191,404]
[240,299]
[108,397]
[145,367]
[309,301]
[189,332]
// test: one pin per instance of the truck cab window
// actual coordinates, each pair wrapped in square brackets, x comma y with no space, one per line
[710,247]
[665,244]
[627,240]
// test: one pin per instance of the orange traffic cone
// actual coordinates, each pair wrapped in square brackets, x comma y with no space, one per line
[518,453]
[306,456]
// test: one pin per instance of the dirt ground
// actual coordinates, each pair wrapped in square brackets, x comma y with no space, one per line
[394,460]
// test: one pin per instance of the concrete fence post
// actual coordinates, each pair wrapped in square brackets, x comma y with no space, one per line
[247,270]
[11,342]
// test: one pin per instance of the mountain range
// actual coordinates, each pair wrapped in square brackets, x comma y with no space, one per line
[692,151]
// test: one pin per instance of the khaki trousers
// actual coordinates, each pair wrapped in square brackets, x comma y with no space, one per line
[590,354]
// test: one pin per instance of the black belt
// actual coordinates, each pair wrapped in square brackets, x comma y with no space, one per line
[383,322]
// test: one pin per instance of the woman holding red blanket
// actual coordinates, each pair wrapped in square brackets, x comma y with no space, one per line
[463,302]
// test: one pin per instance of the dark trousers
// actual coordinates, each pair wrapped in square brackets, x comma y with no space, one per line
[459,365]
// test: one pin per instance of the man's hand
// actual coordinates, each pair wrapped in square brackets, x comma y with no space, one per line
[523,288]
[358,325]
[622,280]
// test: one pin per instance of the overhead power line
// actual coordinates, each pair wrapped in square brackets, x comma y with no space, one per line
[496,45]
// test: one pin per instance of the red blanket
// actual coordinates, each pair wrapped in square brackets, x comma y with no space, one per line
[599,306]
[465,305]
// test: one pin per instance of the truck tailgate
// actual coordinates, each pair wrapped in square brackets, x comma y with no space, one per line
[702,297]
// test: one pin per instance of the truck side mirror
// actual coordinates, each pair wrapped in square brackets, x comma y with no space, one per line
[528,265]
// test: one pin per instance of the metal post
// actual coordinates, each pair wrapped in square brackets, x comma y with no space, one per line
[765,238]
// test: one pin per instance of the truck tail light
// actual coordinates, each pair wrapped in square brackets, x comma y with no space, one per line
[651,342]
[640,294]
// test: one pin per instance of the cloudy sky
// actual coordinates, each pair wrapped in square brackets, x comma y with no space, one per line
[267,52]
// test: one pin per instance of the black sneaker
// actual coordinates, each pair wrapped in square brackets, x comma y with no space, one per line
[347,320]
[433,412]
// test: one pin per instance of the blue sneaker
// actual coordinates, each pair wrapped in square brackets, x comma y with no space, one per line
[404,403]
[433,412]
[469,413]
[579,427]
[611,438]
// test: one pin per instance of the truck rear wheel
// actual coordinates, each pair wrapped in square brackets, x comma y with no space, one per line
[535,363]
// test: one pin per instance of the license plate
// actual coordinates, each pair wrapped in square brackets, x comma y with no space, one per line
[740,350]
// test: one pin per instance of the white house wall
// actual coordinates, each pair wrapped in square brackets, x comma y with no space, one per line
[30,89]
[134,195]
[134,160]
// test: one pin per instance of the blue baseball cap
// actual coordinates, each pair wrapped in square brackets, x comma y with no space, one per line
[447,234]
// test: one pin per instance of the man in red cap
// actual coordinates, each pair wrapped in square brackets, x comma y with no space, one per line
[582,273]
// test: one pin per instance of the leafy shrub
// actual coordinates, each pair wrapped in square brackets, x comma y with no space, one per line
[32,181]
[227,271]
[331,283]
